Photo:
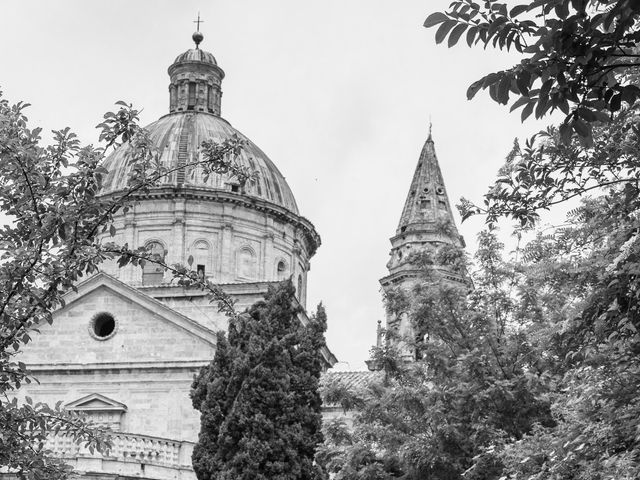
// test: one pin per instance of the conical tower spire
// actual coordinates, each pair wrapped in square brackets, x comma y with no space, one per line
[427,219]
[427,204]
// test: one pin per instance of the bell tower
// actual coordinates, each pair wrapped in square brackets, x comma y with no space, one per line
[425,225]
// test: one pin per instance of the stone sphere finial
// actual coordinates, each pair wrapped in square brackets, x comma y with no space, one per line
[197,38]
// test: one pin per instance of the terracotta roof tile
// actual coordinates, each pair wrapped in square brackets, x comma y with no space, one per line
[351,380]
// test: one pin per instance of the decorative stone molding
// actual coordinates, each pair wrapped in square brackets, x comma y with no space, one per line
[94,327]
[135,455]
[101,410]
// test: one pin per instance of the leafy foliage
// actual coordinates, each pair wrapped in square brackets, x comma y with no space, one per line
[259,397]
[586,275]
[27,426]
[579,55]
[574,289]
[56,231]
[532,375]
[547,171]
[472,389]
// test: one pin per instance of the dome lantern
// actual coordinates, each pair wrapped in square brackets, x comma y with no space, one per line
[195,80]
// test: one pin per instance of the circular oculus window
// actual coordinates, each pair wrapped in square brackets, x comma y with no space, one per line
[103,326]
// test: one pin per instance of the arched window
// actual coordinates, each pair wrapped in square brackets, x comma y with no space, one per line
[172,97]
[191,101]
[152,273]
[210,98]
[246,264]
[281,270]
[201,257]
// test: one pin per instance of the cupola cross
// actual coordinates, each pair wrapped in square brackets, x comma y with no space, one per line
[197,22]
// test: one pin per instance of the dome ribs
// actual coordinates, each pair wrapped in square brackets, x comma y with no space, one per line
[182,156]
[177,137]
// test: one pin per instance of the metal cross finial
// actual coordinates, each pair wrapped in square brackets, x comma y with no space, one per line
[430,126]
[197,22]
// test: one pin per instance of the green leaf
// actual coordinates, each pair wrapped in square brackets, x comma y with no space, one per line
[527,111]
[503,90]
[474,88]
[616,102]
[517,10]
[493,92]
[609,18]
[601,116]
[542,106]
[471,35]
[579,5]
[630,93]
[523,100]
[563,105]
[435,19]
[444,29]
[491,79]
[591,115]
[544,89]
[455,34]
[581,128]
[523,81]
[495,25]
[562,10]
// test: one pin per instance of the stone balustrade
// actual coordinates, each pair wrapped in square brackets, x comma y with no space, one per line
[150,457]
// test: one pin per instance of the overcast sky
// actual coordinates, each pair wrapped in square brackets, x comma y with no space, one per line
[338,93]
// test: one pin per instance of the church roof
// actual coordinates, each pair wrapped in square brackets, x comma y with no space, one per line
[427,202]
[352,380]
[196,55]
[178,136]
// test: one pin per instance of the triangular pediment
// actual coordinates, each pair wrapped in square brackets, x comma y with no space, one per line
[107,324]
[110,285]
[95,403]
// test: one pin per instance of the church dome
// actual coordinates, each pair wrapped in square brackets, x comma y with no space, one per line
[194,104]
[178,135]
[196,55]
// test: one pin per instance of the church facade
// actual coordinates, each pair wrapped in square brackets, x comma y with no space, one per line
[126,345]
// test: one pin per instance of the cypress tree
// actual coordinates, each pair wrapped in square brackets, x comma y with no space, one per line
[259,399]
